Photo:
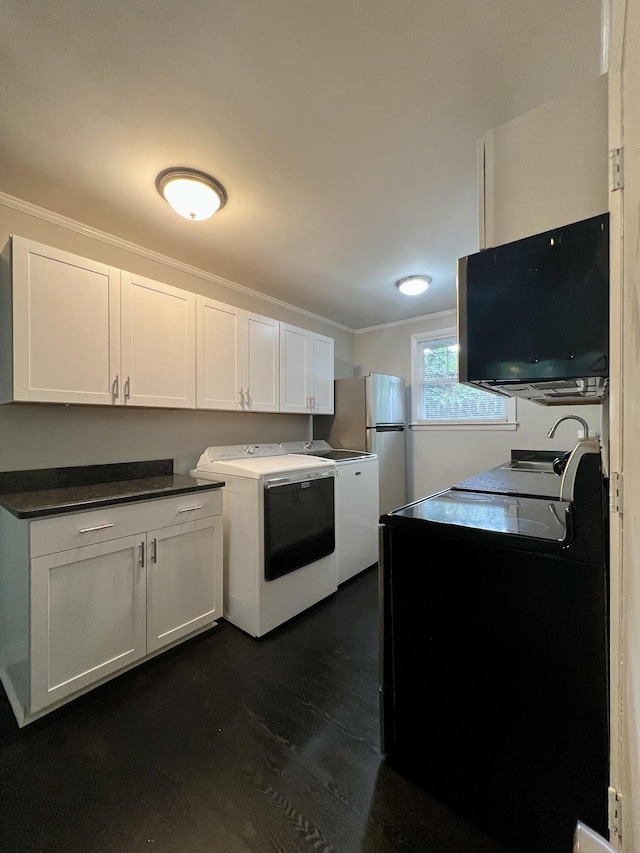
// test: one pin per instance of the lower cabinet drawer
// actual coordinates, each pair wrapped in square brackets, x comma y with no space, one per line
[77,529]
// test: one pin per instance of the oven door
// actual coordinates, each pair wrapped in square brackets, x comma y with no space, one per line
[299,526]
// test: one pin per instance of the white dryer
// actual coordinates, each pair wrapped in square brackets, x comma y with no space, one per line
[357,503]
[279,532]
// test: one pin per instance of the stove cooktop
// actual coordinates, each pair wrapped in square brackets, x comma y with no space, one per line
[321,448]
[534,518]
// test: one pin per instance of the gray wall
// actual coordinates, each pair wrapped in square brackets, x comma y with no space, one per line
[33,435]
[543,169]
[39,436]
[439,457]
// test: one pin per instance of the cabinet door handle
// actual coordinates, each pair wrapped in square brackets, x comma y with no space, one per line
[241,395]
[141,560]
[116,387]
[190,508]
[154,556]
[248,400]
[127,388]
[97,527]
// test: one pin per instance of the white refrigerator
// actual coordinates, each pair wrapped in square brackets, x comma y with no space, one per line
[370,415]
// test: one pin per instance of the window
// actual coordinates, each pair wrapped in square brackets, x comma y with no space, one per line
[438,397]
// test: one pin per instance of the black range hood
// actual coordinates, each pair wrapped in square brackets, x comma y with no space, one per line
[533,316]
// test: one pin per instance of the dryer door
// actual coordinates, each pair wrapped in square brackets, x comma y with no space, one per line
[299,524]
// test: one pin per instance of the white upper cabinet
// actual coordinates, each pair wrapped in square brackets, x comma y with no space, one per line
[237,358]
[261,351]
[306,371]
[158,344]
[60,326]
[78,331]
[322,373]
[74,330]
[219,380]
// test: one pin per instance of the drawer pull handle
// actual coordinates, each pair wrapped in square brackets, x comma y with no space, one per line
[190,508]
[98,527]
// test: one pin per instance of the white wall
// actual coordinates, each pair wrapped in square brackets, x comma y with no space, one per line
[438,458]
[33,435]
[548,167]
[542,170]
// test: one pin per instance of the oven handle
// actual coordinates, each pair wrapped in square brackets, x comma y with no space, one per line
[275,482]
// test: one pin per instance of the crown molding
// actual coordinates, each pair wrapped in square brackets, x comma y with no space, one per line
[450,312]
[112,240]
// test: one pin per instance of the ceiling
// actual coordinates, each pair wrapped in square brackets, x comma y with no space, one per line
[344,131]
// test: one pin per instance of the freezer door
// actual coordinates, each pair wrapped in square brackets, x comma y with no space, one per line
[388,443]
[385,399]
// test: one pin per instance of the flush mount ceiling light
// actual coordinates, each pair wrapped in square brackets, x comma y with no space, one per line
[412,285]
[192,194]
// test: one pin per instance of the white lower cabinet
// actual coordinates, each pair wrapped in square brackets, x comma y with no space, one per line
[357,514]
[183,592]
[88,617]
[94,610]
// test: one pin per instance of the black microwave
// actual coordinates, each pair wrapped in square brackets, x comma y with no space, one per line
[533,315]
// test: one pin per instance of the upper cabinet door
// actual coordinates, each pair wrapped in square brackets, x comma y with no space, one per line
[158,343]
[322,375]
[306,371]
[237,358]
[219,368]
[261,356]
[294,369]
[66,327]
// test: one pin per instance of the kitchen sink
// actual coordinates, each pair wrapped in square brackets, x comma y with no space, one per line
[529,465]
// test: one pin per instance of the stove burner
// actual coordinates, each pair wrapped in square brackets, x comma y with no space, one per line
[520,525]
[470,497]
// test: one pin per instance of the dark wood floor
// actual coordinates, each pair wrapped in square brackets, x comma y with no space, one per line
[227,744]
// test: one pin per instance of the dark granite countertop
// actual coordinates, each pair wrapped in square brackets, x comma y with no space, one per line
[507,481]
[53,491]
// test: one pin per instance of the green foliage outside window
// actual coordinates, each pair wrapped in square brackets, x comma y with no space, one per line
[441,397]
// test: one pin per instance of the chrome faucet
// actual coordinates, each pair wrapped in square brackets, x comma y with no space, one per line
[585,425]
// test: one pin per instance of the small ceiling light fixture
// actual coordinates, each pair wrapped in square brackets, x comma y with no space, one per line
[192,194]
[412,285]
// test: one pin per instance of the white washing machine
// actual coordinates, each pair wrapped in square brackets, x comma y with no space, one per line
[357,503]
[279,532]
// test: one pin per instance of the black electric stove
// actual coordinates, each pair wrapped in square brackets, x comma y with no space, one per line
[494,655]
